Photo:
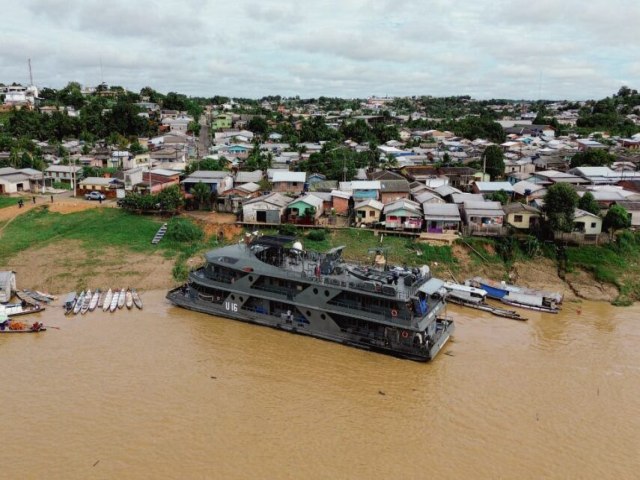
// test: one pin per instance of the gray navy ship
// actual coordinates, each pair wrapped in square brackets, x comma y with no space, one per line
[273,281]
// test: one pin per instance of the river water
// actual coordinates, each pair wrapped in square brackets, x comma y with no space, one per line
[167,393]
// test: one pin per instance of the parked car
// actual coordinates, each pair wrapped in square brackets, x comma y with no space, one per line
[94,196]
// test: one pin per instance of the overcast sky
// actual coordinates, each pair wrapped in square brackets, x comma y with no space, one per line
[347,48]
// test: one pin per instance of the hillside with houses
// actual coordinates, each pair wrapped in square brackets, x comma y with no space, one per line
[434,168]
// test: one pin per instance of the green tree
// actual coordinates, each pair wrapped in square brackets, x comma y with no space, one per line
[592,158]
[616,218]
[501,196]
[559,206]
[493,159]
[136,148]
[201,193]
[589,204]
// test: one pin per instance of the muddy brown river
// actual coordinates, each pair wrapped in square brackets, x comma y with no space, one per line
[167,393]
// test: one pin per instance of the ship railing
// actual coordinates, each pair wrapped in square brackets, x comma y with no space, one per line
[400,317]
[268,288]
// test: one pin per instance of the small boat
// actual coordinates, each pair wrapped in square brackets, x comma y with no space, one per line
[531,302]
[473,297]
[100,300]
[136,298]
[94,300]
[519,296]
[37,296]
[107,300]
[47,295]
[25,297]
[69,302]
[121,298]
[79,303]
[128,301]
[12,326]
[86,302]
[114,301]
[15,310]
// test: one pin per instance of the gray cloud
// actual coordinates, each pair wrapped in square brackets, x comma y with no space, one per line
[502,48]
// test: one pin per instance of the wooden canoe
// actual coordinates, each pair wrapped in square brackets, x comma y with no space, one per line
[136,299]
[94,300]
[121,298]
[79,303]
[106,304]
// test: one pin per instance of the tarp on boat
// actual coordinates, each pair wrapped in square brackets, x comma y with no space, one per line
[7,285]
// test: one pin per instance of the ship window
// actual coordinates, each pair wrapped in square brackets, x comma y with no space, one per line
[241,299]
[308,313]
[326,293]
[323,316]
[315,290]
[251,278]
[233,297]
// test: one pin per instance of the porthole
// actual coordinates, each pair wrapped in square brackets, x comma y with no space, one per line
[308,313]
[251,278]
[315,290]
[326,293]
[233,297]
[241,299]
[323,316]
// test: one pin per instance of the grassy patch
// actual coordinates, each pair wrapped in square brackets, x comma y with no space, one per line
[96,228]
[8,201]
[617,264]
[102,228]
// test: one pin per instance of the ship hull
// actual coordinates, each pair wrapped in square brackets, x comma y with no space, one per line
[182,298]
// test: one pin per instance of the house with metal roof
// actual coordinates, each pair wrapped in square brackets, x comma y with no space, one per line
[440,217]
[521,216]
[391,190]
[587,223]
[288,182]
[305,210]
[368,212]
[487,188]
[217,181]
[265,209]
[248,177]
[603,175]
[403,215]
[483,218]
[13,180]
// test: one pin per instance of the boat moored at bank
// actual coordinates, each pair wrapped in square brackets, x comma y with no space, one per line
[273,281]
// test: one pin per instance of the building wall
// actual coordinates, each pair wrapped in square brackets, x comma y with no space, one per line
[388,197]
[10,187]
[524,217]
[592,226]
[341,205]
[367,215]
[288,187]
[250,212]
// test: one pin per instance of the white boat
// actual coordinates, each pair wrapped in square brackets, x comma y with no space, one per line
[114,302]
[79,303]
[106,303]
[94,300]
[129,299]
[86,302]
[121,298]
[136,299]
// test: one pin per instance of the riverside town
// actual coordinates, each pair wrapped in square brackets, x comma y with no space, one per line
[406,227]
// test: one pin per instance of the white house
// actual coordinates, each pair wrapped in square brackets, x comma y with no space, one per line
[587,223]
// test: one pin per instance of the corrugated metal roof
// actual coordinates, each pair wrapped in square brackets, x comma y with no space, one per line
[286,176]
